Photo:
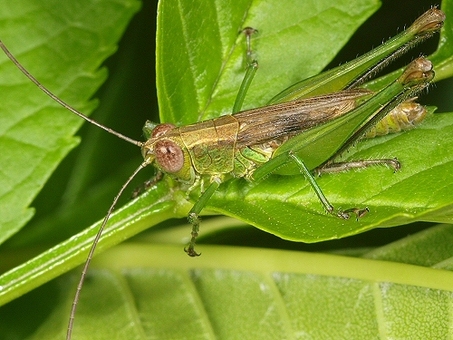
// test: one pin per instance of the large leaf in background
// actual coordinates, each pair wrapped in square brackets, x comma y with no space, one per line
[125,311]
[251,293]
[35,132]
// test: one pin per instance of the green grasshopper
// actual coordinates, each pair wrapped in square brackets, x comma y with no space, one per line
[279,138]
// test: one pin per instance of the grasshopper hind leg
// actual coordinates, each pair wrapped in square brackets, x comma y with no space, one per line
[343,214]
[336,167]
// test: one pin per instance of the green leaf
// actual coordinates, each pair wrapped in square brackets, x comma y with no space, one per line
[393,198]
[36,133]
[201,80]
[443,56]
[276,204]
[235,292]
[191,296]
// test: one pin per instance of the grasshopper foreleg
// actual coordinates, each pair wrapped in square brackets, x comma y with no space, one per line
[194,218]
[344,214]
[147,184]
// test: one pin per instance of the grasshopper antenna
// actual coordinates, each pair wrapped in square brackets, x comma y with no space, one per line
[115,200]
[62,103]
[75,301]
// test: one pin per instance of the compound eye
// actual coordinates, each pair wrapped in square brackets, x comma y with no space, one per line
[162,129]
[169,156]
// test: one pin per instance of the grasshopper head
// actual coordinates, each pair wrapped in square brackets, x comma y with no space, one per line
[166,149]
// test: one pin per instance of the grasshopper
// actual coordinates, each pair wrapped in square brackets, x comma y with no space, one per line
[277,138]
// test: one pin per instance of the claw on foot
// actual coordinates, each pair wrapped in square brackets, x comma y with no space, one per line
[358,212]
[191,251]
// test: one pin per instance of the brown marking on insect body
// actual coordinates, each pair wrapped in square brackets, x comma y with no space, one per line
[162,129]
